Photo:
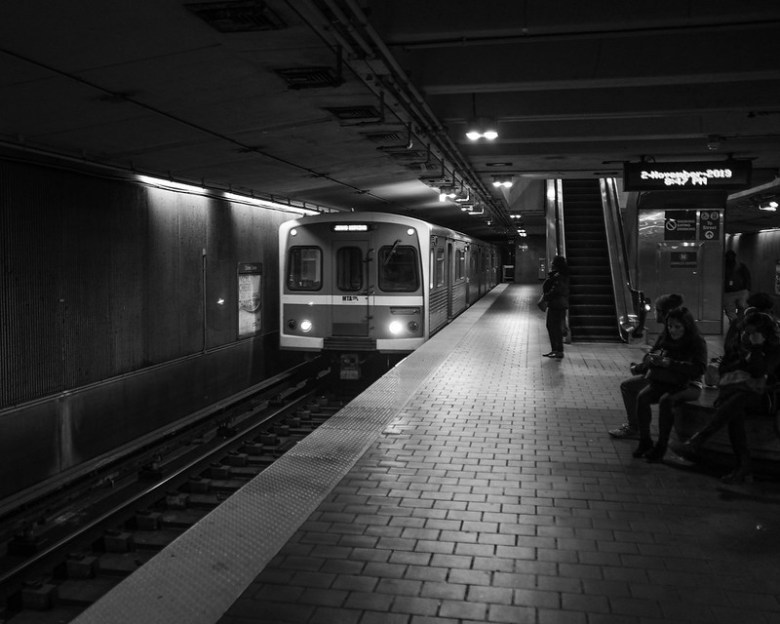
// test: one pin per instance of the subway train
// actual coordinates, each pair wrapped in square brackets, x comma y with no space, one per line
[375,282]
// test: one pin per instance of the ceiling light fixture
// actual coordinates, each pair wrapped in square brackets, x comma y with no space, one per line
[447,192]
[480,127]
[503,181]
[768,206]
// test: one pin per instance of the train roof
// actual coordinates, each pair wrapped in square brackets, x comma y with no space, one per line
[380,217]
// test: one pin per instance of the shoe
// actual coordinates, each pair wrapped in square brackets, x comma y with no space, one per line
[645,446]
[556,355]
[740,475]
[656,454]
[550,354]
[624,432]
[693,444]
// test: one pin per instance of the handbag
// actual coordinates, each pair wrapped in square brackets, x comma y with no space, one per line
[712,374]
[741,379]
[542,304]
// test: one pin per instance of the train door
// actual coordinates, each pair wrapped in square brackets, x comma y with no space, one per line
[351,288]
[449,277]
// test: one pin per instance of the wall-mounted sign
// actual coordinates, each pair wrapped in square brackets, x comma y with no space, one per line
[691,176]
[683,259]
[709,225]
[680,225]
[250,298]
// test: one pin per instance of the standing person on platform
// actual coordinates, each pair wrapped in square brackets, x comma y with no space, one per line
[631,387]
[736,287]
[674,376]
[555,292]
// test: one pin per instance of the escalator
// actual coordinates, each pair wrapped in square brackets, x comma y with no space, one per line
[592,310]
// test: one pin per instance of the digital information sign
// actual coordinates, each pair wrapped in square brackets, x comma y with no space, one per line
[692,176]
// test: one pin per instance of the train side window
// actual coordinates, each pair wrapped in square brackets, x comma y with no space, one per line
[398,269]
[460,264]
[439,268]
[349,269]
[304,268]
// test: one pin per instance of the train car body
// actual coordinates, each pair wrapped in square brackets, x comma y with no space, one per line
[357,282]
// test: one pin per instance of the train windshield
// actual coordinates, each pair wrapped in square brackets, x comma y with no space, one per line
[349,269]
[304,268]
[398,268]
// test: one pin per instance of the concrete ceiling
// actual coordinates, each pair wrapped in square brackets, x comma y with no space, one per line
[363,104]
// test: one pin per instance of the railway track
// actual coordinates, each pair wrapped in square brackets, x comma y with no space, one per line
[70,548]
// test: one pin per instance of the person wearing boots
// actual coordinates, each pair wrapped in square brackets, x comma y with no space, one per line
[631,387]
[745,372]
[674,376]
[555,292]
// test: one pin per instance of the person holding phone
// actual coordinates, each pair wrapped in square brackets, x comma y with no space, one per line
[674,375]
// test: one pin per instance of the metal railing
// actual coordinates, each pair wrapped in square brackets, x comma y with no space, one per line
[630,304]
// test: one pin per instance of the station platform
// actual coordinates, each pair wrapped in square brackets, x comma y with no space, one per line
[473,483]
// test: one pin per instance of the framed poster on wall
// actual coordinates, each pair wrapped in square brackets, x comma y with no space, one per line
[250,298]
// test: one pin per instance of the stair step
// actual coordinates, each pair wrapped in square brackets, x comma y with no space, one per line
[578,301]
[596,286]
[591,301]
[591,261]
[591,310]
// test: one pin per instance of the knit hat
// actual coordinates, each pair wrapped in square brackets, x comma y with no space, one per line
[668,302]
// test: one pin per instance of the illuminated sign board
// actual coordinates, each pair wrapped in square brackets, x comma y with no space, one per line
[689,176]
[350,227]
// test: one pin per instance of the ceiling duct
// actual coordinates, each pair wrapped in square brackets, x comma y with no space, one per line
[388,138]
[424,168]
[358,114]
[407,155]
[238,16]
[310,77]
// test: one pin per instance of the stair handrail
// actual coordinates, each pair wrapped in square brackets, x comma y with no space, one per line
[556,239]
[629,302]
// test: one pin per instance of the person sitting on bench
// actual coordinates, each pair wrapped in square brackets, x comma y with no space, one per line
[745,371]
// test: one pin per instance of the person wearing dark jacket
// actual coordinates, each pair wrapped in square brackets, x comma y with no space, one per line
[674,375]
[745,371]
[631,387]
[555,292]
[736,287]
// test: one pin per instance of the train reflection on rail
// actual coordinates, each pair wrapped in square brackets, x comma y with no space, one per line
[357,284]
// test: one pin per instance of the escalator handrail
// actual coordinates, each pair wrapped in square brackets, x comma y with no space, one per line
[625,305]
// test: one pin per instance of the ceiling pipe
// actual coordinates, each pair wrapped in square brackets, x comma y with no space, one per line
[419,103]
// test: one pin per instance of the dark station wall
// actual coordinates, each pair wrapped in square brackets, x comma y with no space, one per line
[120,312]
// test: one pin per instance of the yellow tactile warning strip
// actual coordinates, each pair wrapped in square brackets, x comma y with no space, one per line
[198,576]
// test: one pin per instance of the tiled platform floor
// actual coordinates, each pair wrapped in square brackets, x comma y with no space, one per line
[479,485]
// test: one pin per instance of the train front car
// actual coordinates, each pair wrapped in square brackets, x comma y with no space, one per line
[353,283]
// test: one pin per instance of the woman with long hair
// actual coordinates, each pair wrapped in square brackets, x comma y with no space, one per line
[747,367]
[555,292]
[674,375]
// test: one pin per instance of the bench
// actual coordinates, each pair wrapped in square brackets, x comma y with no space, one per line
[762,429]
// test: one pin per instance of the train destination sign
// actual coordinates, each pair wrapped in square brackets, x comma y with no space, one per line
[350,227]
[692,176]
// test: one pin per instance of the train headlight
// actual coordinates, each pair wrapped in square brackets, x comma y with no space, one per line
[306,326]
[396,327]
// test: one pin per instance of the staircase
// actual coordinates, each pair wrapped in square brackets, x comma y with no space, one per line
[592,315]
